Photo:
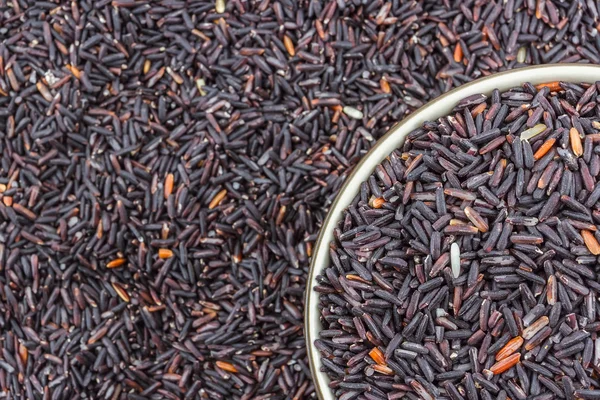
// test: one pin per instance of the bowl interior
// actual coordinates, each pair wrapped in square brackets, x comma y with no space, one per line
[436,108]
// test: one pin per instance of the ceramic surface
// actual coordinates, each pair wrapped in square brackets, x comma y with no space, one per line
[393,139]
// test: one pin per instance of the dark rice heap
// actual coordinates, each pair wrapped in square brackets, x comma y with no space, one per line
[166,165]
[467,266]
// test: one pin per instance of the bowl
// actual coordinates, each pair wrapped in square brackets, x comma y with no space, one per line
[393,139]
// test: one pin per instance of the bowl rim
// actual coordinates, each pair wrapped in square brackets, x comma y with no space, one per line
[568,72]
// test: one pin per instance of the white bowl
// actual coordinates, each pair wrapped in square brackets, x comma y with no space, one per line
[431,111]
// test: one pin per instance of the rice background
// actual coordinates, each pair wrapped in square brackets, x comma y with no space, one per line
[166,166]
